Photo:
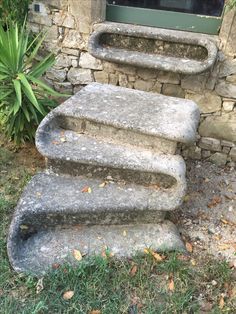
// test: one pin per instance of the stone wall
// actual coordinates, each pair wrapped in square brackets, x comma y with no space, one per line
[69,24]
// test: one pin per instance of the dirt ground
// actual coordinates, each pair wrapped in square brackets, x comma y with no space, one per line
[207,218]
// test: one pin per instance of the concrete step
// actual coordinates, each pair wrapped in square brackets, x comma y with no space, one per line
[39,252]
[126,116]
[71,153]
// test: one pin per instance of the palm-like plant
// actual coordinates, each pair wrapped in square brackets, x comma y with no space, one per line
[24,98]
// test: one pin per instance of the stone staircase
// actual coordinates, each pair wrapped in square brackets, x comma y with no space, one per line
[112,175]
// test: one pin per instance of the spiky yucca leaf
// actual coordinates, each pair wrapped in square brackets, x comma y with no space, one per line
[23,96]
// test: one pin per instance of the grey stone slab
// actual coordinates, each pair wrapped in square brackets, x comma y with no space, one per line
[81,154]
[161,62]
[38,253]
[131,110]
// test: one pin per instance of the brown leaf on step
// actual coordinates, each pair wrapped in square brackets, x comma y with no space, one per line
[221,302]
[171,284]
[55,143]
[86,189]
[189,247]
[103,184]
[146,251]
[24,227]
[227,222]
[68,295]
[62,139]
[223,246]
[55,266]
[39,286]
[215,200]
[133,270]
[77,255]
[95,312]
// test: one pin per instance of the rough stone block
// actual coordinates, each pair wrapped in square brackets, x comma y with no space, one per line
[58,75]
[89,62]
[219,159]
[147,74]
[227,143]
[210,144]
[173,90]
[168,77]
[123,80]
[195,83]
[228,106]
[233,153]
[64,19]
[143,85]
[80,76]
[113,79]
[62,61]
[221,127]
[231,78]
[226,89]
[72,52]
[227,68]
[73,40]
[207,102]
[101,77]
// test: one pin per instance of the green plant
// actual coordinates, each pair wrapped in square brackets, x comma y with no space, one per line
[24,98]
[14,10]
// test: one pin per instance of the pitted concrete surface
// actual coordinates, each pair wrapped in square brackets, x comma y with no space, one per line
[46,247]
[160,62]
[152,114]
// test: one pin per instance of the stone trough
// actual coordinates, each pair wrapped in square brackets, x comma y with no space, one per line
[154,48]
[112,175]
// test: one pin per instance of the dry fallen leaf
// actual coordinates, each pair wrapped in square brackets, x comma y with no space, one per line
[133,270]
[86,189]
[189,247]
[223,246]
[39,286]
[215,200]
[55,143]
[77,255]
[146,251]
[193,262]
[95,312]
[171,285]
[157,256]
[24,227]
[103,184]
[221,302]
[68,295]
[62,139]
[55,266]
[124,233]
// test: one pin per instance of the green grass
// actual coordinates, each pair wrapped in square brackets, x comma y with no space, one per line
[106,284]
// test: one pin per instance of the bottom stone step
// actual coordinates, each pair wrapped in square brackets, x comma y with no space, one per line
[37,254]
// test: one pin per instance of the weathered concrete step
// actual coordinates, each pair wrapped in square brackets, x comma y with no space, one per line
[79,154]
[39,252]
[127,116]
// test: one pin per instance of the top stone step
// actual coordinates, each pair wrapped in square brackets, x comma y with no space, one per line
[141,112]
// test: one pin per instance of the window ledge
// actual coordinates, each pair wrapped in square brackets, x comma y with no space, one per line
[153,60]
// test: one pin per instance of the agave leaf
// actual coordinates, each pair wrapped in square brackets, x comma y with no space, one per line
[17,86]
[42,66]
[36,48]
[44,86]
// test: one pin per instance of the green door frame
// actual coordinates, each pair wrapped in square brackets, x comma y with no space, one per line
[164,19]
